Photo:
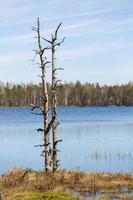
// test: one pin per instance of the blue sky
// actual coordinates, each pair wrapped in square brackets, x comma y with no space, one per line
[98,45]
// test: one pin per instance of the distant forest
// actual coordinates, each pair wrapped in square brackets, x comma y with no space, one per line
[72,94]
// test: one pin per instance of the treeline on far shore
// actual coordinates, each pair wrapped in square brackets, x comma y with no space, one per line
[72,94]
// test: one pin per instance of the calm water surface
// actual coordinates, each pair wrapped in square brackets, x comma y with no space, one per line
[94,139]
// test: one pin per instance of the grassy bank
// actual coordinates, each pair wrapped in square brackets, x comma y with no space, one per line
[63,185]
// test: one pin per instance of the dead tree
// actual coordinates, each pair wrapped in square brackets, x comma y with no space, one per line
[55,84]
[49,121]
[44,108]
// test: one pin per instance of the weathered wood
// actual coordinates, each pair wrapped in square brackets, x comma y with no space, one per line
[45,100]
[49,122]
[54,42]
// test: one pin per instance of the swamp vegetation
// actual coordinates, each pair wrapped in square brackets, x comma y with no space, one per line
[71,185]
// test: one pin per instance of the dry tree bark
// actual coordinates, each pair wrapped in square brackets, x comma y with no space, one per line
[45,101]
[55,84]
[49,122]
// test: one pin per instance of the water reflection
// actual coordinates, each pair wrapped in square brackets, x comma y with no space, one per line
[102,147]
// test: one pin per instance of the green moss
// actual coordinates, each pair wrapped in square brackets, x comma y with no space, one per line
[46,196]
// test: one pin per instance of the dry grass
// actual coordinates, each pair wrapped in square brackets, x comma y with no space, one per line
[22,180]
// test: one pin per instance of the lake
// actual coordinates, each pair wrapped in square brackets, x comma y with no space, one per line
[94,139]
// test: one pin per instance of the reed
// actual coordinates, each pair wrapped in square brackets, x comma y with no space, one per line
[21,180]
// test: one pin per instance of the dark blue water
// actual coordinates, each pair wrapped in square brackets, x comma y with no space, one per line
[94,139]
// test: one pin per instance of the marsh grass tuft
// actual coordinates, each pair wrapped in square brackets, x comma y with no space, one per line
[21,180]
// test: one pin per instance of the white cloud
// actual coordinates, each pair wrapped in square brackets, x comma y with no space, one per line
[91,50]
[81,19]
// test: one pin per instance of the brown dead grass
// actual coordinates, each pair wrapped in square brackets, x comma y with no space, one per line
[22,180]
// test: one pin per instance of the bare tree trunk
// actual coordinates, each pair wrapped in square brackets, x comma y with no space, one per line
[55,84]
[45,98]
[51,159]
[54,112]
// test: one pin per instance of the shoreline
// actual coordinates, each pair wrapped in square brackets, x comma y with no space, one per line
[74,183]
[82,106]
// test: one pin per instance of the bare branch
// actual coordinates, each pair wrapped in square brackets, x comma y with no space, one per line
[59,43]
[40,130]
[34,29]
[47,62]
[59,68]
[56,32]
[46,40]
[57,141]
[42,145]
[46,48]
[36,51]
[37,107]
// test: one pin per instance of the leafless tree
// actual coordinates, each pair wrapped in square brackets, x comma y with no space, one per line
[50,122]
[55,84]
[44,108]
